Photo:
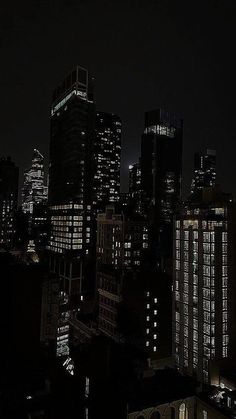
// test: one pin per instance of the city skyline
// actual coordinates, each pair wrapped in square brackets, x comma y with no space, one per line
[192,80]
[118,210]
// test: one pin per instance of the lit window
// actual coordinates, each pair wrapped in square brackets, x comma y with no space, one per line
[86,387]
[183,411]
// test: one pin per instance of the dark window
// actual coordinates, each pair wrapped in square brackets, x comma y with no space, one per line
[155,415]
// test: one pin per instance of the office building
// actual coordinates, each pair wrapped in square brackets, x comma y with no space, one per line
[39,226]
[161,173]
[34,190]
[203,287]
[204,170]
[134,307]
[161,161]
[121,244]
[71,172]
[135,188]
[134,179]
[107,159]
[9,175]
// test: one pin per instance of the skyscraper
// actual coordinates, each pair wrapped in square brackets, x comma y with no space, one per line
[134,179]
[204,170]
[9,175]
[204,290]
[34,190]
[107,158]
[161,173]
[71,200]
[135,188]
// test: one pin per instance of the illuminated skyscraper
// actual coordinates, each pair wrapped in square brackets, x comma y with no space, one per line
[107,158]
[34,190]
[71,174]
[204,170]
[9,175]
[204,290]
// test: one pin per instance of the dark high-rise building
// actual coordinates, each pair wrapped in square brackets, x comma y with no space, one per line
[71,172]
[9,175]
[135,188]
[204,170]
[161,171]
[204,284]
[107,158]
[134,179]
[161,162]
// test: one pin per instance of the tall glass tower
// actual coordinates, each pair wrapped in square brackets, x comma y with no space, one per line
[71,201]
[161,171]
[107,159]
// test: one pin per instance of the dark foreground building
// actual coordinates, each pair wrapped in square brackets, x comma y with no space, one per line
[9,175]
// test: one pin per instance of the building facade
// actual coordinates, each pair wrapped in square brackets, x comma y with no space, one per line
[134,178]
[121,242]
[204,170]
[161,172]
[135,187]
[9,175]
[203,288]
[34,190]
[71,172]
[107,159]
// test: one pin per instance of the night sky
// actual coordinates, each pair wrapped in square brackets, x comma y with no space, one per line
[144,54]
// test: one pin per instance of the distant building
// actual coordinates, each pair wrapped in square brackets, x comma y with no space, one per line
[135,187]
[204,170]
[161,174]
[9,175]
[107,155]
[161,162]
[34,190]
[134,178]
[204,291]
